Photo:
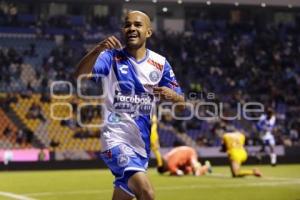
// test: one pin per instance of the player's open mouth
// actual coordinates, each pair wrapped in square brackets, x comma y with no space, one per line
[132,36]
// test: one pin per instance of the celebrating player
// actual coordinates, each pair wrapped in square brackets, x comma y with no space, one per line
[183,161]
[133,75]
[265,127]
[233,144]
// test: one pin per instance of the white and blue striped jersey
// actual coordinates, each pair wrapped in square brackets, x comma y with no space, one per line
[130,99]
[266,125]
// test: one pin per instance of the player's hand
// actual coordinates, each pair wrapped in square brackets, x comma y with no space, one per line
[109,43]
[164,93]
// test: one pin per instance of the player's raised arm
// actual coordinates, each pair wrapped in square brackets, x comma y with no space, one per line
[87,63]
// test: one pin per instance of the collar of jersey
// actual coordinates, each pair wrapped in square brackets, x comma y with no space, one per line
[134,60]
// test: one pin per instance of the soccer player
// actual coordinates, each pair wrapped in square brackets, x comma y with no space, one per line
[133,74]
[233,145]
[265,126]
[154,139]
[183,160]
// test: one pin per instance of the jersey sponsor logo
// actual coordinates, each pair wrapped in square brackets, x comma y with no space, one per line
[155,64]
[124,69]
[154,76]
[123,160]
[133,104]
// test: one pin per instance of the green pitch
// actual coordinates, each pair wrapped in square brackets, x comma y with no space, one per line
[279,183]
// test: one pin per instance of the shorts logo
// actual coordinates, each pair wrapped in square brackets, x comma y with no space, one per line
[127,150]
[107,154]
[123,160]
[154,76]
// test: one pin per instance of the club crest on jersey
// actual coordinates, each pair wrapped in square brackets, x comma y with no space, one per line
[154,76]
[124,69]
[123,160]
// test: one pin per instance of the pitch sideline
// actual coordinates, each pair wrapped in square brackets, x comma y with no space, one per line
[15,196]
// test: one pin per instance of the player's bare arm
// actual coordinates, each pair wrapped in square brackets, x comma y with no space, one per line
[167,94]
[87,62]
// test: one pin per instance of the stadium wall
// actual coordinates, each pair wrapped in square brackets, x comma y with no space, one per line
[291,156]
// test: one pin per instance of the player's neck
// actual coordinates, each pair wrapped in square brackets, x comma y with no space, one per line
[137,54]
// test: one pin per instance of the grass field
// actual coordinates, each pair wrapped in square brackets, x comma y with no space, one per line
[279,183]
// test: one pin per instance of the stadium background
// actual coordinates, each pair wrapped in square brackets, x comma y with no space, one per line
[240,51]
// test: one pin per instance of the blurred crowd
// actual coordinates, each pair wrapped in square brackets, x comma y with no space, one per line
[241,63]
[8,13]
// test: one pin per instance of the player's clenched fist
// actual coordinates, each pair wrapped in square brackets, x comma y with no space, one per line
[109,43]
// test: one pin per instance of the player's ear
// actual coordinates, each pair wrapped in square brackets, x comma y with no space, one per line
[149,32]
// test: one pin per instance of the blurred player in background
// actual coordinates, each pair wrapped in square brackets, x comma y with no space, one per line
[233,145]
[133,75]
[154,139]
[265,126]
[183,160]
